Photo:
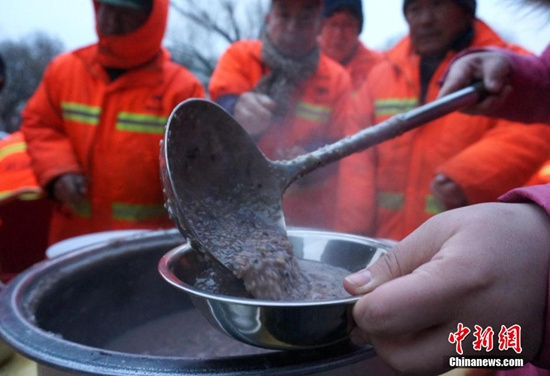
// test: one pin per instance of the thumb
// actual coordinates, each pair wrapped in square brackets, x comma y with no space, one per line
[416,249]
[80,184]
[385,269]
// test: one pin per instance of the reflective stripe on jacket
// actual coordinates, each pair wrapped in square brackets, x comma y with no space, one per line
[78,121]
[17,178]
[319,116]
[485,157]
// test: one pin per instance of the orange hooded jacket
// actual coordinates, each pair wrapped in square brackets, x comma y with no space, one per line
[80,121]
[319,117]
[388,194]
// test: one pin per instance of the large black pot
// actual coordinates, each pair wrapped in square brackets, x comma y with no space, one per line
[68,313]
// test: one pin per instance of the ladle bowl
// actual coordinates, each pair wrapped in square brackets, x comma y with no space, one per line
[225,195]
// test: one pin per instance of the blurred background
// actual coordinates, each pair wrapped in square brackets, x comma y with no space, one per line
[32,32]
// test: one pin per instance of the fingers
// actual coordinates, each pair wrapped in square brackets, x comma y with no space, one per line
[70,188]
[413,251]
[427,297]
[414,286]
[491,104]
[360,283]
[80,185]
[265,102]
[447,192]
[461,73]
[254,111]
[495,72]
[490,67]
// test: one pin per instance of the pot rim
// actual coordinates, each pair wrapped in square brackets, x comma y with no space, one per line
[48,349]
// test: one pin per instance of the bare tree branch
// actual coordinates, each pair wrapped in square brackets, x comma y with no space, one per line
[207,28]
[203,18]
[26,60]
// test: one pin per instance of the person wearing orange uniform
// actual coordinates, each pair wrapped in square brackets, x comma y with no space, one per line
[291,98]
[451,162]
[339,39]
[24,209]
[94,124]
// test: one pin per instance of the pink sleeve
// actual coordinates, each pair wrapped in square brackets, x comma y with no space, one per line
[530,80]
[539,194]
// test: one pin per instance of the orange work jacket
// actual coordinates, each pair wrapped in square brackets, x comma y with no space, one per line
[361,64]
[388,195]
[319,116]
[24,210]
[79,121]
[17,178]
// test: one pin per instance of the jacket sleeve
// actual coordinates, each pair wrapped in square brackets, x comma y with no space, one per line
[530,80]
[232,76]
[504,158]
[16,176]
[47,142]
[539,194]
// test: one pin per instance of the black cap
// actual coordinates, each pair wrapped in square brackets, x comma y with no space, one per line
[145,5]
[469,5]
[354,6]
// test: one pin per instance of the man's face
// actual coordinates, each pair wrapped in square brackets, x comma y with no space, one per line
[435,24]
[339,35]
[115,20]
[293,26]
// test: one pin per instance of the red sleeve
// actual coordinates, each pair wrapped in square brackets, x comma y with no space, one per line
[530,79]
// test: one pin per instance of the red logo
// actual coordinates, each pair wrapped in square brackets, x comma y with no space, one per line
[508,338]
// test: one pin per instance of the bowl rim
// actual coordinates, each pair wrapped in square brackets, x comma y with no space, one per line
[164,268]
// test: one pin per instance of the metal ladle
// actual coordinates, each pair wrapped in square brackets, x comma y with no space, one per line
[224,195]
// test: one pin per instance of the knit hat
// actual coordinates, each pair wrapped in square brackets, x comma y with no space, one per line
[469,5]
[133,4]
[332,6]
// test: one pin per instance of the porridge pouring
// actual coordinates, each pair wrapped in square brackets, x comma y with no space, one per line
[225,196]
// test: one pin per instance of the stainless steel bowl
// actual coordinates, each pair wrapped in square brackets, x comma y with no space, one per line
[278,324]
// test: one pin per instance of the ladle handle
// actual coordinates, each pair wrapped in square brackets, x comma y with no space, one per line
[391,128]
